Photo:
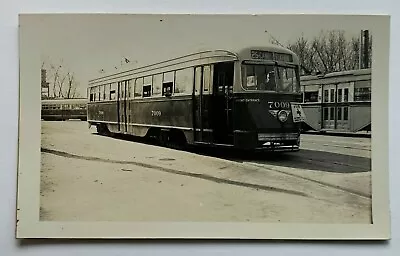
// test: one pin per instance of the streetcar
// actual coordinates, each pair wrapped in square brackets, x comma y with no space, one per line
[246,99]
[64,109]
[337,102]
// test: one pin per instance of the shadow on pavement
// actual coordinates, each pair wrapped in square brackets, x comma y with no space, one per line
[303,159]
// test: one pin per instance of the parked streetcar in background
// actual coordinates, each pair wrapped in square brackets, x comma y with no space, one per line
[339,101]
[64,109]
[246,99]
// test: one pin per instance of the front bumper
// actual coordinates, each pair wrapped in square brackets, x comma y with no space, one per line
[267,141]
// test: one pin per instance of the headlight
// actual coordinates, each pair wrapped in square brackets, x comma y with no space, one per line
[282,116]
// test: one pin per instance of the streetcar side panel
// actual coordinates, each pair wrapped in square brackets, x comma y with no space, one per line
[313,114]
[144,115]
[360,117]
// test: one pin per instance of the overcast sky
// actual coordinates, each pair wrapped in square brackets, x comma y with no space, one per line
[89,43]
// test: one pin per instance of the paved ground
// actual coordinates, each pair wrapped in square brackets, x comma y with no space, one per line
[88,177]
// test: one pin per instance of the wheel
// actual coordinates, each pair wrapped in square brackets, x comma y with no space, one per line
[172,139]
[163,138]
[102,129]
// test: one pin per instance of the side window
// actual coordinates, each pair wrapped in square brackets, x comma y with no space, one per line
[126,89]
[184,81]
[91,98]
[101,92]
[362,94]
[138,87]
[346,95]
[167,89]
[121,86]
[148,80]
[98,97]
[96,93]
[107,92]
[339,95]
[168,83]
[207,79]
[197,80]
[157,84]
[169,77]
[326,93]
[311,96]
[113,91]
[146,90]
[129,88]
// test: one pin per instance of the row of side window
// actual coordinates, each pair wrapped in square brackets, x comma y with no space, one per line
[179,82]
[341,95]
[64,106]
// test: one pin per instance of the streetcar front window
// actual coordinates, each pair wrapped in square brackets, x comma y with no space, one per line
[270,78]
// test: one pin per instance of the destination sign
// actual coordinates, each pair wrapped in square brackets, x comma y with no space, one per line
[265,55]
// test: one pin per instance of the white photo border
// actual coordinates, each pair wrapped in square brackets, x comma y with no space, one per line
[29,157]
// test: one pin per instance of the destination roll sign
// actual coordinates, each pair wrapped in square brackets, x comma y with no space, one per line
[265,55]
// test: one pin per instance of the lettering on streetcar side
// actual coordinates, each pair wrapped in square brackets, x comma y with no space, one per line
[155,113]
[248,100]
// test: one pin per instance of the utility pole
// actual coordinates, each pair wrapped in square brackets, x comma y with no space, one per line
[364,49]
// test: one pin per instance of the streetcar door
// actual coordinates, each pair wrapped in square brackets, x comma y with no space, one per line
[329,107]
[122,107]
[222,103]
[202,103]
[342,122]
[125,104]
[197,106]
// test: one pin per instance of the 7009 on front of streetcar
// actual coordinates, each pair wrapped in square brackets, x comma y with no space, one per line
[245,99]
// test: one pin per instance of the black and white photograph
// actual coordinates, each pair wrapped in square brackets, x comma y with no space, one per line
[203,126]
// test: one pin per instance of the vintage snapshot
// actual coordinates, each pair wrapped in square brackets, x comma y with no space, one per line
[203,126]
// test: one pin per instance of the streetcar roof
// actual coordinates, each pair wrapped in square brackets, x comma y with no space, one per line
[349,73]
[222,55]
[193,59]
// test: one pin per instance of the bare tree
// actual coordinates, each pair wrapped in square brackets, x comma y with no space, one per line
[63,81]
[302,47]
[71,86]
[328,52]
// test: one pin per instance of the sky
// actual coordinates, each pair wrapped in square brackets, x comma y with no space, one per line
[86,44]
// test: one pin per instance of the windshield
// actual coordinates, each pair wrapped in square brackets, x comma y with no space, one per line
[270,78]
